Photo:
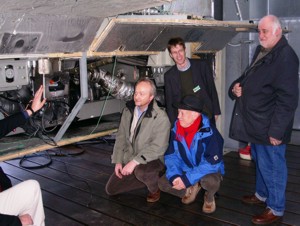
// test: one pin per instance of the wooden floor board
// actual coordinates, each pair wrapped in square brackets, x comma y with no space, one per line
[73,189]
[56,218]
[76,195]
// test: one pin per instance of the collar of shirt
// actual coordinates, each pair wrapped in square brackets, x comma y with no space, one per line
[187,66]
[140,112]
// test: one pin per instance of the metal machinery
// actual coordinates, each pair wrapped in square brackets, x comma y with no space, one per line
[110,82]
[88,60]
[20,78]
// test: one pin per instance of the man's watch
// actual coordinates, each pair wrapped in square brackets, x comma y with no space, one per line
[30,109]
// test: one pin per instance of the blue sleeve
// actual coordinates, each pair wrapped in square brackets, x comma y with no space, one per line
[214,147]
[211,160]
[172,161]
[204,168]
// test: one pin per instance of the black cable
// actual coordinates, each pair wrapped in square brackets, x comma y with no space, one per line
[47,139]
[7,98]
[36,131]
[61,154]
[51,105]
[84,181]
[43,120]
[26,157]
[73,176]
[101,140]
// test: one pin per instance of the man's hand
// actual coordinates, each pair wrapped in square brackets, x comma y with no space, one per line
[274,141]
[118,170]
[26,219]
[178,184]
[216,117]
[237,89]
[37,102]
[129,167]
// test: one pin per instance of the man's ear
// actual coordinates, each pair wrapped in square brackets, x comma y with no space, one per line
[278,31]
[195,114]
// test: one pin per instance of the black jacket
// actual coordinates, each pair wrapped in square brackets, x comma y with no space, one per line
[11,122]
[202,77]
[269,97]
[6,126]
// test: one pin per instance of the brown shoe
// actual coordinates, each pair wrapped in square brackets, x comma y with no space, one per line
[251,199]
[267,217]
[191,194]
[209,207]
[153,197]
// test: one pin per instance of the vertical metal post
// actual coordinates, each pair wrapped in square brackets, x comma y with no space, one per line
[239,12]
[80,102]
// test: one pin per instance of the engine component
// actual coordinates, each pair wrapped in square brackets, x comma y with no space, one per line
[13,74]
[56,86]
[9,73]
[44,66]
[115,86]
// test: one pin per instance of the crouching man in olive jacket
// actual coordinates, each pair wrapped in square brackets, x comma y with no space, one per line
[141,142]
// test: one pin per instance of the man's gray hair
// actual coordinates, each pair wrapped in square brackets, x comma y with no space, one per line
[276,24]
[150,82]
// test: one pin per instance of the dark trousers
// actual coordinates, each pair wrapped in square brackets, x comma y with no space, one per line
[144,175]
[210,182]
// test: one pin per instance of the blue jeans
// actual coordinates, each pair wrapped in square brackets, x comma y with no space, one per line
[271,175]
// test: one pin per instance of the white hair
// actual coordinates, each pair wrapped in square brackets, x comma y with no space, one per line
[275,22]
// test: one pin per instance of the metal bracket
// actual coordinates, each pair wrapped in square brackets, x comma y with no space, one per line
[80,102]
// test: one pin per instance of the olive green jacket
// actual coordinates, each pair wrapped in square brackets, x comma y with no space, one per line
[151,136]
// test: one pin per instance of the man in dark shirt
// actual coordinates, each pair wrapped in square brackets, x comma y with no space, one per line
[189,77]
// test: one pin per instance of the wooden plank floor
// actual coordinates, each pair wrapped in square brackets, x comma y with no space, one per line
[73,191]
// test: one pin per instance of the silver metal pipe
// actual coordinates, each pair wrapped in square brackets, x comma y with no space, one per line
[114,85]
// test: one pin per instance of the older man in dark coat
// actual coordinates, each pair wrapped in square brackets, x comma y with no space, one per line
[266,99]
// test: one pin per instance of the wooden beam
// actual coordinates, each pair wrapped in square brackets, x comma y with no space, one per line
[42,147]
